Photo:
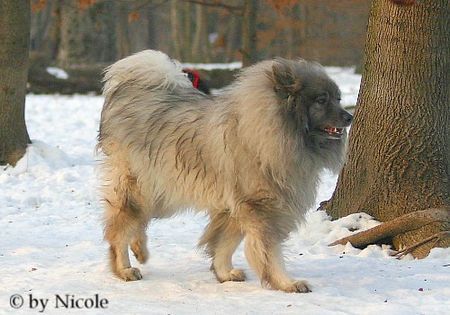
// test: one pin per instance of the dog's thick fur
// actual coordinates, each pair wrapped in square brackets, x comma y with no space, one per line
[250,157]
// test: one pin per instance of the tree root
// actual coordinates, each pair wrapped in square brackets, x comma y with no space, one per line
[435,238]
[407,222]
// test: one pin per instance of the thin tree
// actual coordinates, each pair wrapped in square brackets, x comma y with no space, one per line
[14,47]
[249,39]
[398,168]
[248,10]
[175,28]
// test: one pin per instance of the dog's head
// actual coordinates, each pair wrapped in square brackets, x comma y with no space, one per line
[311,99]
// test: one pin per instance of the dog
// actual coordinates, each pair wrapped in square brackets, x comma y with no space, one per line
[250,158]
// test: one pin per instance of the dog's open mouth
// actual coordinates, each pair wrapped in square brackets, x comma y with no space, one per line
[334,132]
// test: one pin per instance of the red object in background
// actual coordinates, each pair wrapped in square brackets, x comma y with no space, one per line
[197,82]
[194,76]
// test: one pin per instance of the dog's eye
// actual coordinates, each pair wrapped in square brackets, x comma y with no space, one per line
[321,100]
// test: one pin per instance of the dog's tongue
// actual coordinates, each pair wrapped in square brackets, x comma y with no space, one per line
[334,131]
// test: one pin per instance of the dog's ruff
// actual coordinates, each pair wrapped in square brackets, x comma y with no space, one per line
[250,157]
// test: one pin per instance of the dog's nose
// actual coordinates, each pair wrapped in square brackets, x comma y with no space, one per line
[347,118]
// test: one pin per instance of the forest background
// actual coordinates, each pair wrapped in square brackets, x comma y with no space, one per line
[84,36]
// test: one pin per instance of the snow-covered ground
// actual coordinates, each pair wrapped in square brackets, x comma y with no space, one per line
[51,242]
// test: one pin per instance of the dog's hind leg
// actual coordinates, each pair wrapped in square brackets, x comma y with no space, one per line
[124,221]
[120,226]
[264,233]
[221,238]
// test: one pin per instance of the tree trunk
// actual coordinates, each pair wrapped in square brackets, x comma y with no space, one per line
[71,48]
[14,46]
[123,45]
[200,44]
[399,150]
[39,29]
[249,47]
[102,33]
[233,38]
[138,31]
[53,37]
[187,32]
[175,29]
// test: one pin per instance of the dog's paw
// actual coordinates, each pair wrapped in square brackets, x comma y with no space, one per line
[130,274]
[141,254]
[232,275]
[237,275]
[298,287]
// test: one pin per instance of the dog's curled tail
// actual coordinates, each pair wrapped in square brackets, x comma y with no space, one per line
[149,69]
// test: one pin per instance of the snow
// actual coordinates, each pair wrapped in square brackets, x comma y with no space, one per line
[213,66]
[348,82]
[51,242]
[58,73]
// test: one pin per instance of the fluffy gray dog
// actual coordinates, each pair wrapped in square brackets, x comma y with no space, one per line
[250,158]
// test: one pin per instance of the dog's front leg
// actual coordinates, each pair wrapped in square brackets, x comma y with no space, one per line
[263,237]
[220,239]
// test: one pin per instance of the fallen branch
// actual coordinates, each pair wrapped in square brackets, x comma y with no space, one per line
[435,238]
[407,222]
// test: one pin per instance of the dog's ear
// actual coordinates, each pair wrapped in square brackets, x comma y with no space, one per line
[285,81]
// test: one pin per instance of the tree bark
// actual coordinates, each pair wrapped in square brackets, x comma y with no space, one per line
[14,47]
[249,43]
[399,150]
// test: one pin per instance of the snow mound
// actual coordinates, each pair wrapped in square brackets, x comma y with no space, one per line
[40,155]
[58,73]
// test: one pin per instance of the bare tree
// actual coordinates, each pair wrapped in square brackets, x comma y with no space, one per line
[187,31]
[14,46]
[123,45]
[175,28]
[200,43]
[399,151]
[72,30]
[249,46]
